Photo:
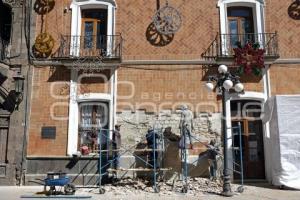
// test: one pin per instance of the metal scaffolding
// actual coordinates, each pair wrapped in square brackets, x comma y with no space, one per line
[237,152]
[237,158]
[153,161]
[184,160]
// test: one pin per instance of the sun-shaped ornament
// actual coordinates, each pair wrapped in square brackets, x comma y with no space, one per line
[167,20]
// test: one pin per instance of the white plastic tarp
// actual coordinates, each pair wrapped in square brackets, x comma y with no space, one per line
[285,140]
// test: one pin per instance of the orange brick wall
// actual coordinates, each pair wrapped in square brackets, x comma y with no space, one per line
[285,79]
[200,24]
[277,19]
[94,82]
[50,88]
[156,90]
[199,28]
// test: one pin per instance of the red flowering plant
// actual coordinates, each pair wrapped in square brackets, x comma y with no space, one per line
[249,58]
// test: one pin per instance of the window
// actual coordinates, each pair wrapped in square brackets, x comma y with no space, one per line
[240,25]
[94,31]
[93,121]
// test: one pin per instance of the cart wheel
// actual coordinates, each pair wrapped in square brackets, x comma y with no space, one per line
[101,190]
[69,189]
[240,189]
[51,191]
[184,189]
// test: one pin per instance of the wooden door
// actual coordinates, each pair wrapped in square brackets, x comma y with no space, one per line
[240,26]
[3,145]
[252,148]
[91,40]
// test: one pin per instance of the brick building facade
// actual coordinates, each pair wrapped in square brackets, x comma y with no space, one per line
[141,77]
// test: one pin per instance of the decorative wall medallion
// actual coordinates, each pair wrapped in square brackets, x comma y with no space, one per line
[294,10]
[43,45]
[167,20]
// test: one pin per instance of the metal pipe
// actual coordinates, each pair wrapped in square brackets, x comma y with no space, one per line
[26,109]
[25,135]
[154,160]
[241,154]
[100,162]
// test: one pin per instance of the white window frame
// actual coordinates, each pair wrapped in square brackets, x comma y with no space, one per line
[77,6]
[75,99]
[258,15]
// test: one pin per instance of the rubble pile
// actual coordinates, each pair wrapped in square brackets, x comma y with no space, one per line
[138,186]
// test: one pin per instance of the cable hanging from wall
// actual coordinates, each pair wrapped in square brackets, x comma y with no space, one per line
[44,42]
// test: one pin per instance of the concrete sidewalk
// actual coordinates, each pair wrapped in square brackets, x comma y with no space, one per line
[264,192]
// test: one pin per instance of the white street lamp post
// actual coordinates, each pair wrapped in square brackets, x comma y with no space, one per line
[224,82]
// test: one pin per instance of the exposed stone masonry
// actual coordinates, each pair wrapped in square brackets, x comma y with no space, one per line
[134,125]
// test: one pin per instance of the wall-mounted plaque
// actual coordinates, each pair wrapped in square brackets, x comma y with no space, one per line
[48,132]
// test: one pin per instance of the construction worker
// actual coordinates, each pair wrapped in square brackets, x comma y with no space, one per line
[212,152]
[186,127]
[152,138]
[116,144]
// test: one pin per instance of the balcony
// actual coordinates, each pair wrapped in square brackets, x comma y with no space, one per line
[221,49]
[105,48]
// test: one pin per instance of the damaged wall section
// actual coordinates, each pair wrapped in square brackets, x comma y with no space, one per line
[134,126]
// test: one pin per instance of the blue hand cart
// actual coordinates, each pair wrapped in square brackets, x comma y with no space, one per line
[57,181]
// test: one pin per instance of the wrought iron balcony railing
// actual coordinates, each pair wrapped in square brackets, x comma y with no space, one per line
[106,47]
[222,46]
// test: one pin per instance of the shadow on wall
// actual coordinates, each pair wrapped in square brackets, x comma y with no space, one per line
[294,10]
[157,39]
[197,164]
[87,170]
[154,37]
[59,74]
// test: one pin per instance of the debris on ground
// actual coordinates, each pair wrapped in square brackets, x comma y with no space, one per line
[137,186]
